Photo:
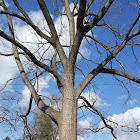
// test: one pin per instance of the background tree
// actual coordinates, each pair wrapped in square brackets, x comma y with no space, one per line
[84,19]
[42,128]
[7,138]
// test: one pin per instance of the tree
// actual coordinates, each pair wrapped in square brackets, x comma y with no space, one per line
[66,67]
[7,138]
[42,128]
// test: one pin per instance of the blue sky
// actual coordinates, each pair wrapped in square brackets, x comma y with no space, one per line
[113,99]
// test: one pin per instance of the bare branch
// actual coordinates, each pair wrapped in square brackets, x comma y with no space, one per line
[8,82]
[102,44]
[133,26]
[89,4]
[75,6]
[43,107]
[113,30]
[98,113]
[71,21]
[100,15]
[94,72]
[29,109]
[48,18]
[82,30]
[120,73]
[30,55]
[21,10]
[81,15]
[133,35]
[38,31]
[10,54]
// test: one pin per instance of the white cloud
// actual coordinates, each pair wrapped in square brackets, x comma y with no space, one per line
[85,124]
[132,102]
[25,97]
[92,98]
[30,39]
[39,20]
[123,97]
[133,136]
[42,83]
[129,137]
[8,68]
[80,138]
[125,124]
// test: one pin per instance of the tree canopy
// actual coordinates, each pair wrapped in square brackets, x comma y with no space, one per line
[60,54]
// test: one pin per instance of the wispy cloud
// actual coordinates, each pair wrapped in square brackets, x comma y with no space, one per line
[126,124]
[93,98]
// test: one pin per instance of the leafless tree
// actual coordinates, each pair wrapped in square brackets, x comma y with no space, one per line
[64,69]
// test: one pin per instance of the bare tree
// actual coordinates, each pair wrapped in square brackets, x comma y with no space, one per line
[63,67]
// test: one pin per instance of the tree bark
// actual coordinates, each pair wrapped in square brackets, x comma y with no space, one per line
[68,115]
[68,119]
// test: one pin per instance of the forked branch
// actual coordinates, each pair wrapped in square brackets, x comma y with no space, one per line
[96,71]
[100,15]
[99,114]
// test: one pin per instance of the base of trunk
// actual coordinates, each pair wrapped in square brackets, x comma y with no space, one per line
[68,120]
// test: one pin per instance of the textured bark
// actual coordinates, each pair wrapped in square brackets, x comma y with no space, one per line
[68,117]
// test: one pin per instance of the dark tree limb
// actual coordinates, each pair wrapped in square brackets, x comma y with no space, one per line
[48,18]
[10,54]
[29,109]
[120,73]
[130,29]
[100,15]
[99,114]
[81,14]
[82,30]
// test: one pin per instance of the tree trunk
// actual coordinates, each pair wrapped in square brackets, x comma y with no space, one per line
[68,117]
